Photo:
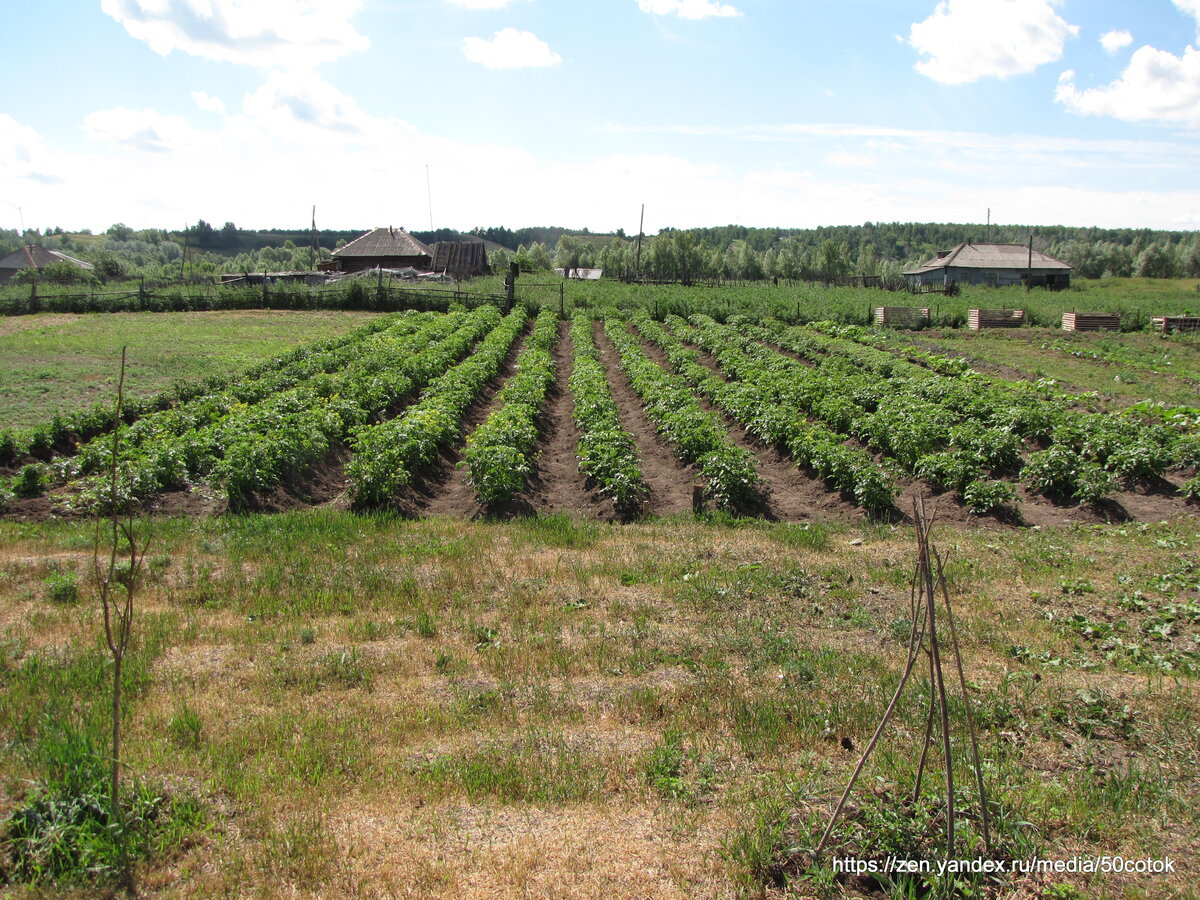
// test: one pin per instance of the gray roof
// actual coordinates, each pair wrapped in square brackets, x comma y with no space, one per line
[383,242]
[990,256]
[39,258]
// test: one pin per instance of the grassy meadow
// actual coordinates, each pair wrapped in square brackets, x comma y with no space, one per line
[367,706]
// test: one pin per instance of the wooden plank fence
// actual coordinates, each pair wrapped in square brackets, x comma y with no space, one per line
[902,316]
[995,318]
[1077,321]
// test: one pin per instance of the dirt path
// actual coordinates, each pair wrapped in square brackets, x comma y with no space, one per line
[670,481]
[557,486]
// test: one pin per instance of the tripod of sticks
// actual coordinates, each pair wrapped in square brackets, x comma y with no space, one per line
[928,582]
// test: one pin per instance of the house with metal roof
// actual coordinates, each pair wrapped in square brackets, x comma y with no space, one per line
[992,264]
[383,248]
[31,257]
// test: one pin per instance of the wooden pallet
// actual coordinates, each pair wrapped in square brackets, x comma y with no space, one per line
[1073,321]
[902,316]
[1167,324]
[995,318]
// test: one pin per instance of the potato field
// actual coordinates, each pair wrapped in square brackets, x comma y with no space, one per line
[478,413]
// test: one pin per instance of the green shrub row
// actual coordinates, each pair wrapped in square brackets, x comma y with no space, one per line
[698,437]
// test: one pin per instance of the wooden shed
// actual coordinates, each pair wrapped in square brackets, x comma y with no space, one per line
[31,257]
[992,264]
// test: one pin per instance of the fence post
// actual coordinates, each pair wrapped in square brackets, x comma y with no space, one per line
[562,301]
[33,297]
[266,292]
[142,293]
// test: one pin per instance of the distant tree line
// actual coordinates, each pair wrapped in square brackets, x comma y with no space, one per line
[729,252]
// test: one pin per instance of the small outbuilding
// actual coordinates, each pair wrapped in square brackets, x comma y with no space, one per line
[31,257]
[992,264]
[386,248]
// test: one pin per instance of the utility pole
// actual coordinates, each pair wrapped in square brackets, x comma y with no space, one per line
[987,231]
[637,274]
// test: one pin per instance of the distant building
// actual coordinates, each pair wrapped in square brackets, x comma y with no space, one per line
[461,259]
[580,273]
[993,264]
[36,258]
[386,248]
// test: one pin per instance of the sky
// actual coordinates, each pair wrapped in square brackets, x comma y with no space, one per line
[463,113]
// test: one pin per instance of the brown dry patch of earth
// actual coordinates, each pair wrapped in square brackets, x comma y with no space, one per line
[588,851]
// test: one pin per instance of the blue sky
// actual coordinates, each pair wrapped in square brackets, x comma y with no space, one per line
[792,113]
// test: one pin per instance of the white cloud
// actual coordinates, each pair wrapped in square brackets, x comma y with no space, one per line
[208,103]
[965,40]
[1191,8]
[144,130]
[1115,40]
[481,4]
[267,33]
[302,106]
[24,158]
[688,9]
[1155,86]
[510,49]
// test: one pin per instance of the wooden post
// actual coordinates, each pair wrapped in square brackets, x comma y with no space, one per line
[142,293]
[562,300]
[510,286]
[697,498]
[266,293]
[33,297]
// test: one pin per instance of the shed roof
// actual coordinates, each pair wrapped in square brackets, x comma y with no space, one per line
[38,258]
[990,256]
[383,242]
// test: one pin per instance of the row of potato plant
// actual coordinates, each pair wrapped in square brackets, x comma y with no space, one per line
[699,437]
[755,393]
[254,447]
[64,433]
[214,406]
[607,452]
[946,428]
[500,452]
[386,455]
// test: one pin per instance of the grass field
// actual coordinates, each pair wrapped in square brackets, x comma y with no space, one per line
[56,363]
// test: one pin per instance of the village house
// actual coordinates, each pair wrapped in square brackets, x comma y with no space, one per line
[36,258]
[992,264]
[383,248]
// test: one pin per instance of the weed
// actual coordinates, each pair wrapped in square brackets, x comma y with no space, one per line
[62,588]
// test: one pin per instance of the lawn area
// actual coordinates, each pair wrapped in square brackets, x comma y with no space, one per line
[55,363]
[368,706]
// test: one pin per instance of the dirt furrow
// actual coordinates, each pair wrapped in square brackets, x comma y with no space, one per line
[557,485]
[443,488]
[670,481]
